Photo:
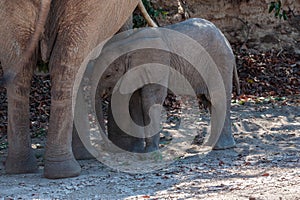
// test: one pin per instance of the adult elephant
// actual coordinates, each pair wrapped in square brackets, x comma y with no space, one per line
[72,29]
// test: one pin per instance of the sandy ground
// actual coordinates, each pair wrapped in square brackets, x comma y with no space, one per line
[264,165]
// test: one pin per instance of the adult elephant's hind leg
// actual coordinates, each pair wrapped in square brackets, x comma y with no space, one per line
[59,159]
[20,158]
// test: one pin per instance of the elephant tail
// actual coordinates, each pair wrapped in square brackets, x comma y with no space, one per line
[39,28]
[146,15]
[32,44]
[236,80]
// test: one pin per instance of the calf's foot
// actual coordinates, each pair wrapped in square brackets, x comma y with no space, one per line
[225,141]
[128,143]
[78,148]
[152,143]
[81,153]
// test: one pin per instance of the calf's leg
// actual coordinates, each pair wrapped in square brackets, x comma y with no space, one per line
[152,96]
[122,139]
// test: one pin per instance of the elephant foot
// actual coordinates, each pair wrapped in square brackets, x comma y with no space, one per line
[61,169]
[21,165]
[130,144]
[226,141]
[152,143]
[149,149]
[78,148]
[134,147]
[82,154]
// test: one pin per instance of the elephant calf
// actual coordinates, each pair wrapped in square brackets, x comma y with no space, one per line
[217,47]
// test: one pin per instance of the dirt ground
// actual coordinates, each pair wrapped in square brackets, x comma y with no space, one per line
[264,165]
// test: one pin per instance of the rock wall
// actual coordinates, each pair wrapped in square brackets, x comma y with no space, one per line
[243,21]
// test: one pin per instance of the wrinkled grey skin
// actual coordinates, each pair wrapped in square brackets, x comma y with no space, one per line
[140,102]
[72,29]
[214,42]
[80,152]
